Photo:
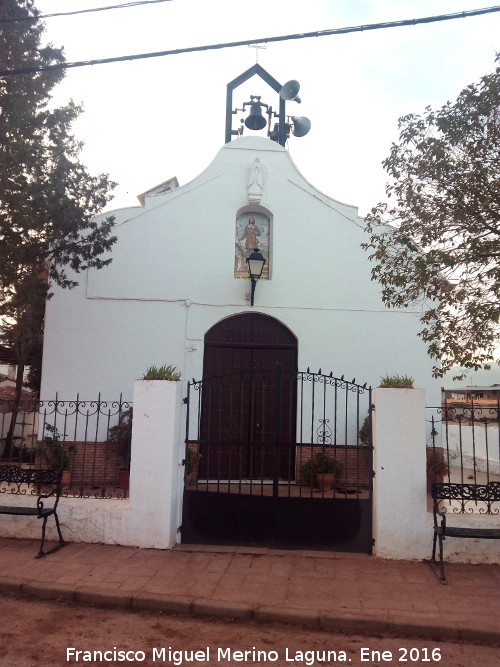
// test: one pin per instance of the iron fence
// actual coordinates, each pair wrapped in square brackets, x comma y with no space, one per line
[88,439]
[279,458]
[272,431]
[463,447]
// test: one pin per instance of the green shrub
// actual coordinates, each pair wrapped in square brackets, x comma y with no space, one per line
[321,462]
[364,432]
[162,373]
[57,455]
[193,457]
[396,382]
[436,462]
[120,436]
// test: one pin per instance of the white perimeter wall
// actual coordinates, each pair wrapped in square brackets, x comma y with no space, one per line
[478,443]
[402,520]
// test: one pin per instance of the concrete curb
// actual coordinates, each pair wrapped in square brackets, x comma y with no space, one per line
[202,607]
[293,615]
[173,604]
[222,609]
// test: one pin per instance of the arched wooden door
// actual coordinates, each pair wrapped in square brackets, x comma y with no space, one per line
[242,397]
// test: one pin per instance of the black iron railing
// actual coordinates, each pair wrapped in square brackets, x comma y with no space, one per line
[278,458]
[88,439]
[463,447]
[276,431]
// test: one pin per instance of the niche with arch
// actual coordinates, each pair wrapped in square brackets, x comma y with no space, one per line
[253,230]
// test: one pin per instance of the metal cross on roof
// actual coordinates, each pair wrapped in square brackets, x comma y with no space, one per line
[257,47]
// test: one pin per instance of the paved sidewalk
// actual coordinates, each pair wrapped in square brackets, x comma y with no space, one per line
[334,591]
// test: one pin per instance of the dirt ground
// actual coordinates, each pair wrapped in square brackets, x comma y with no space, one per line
[38,633]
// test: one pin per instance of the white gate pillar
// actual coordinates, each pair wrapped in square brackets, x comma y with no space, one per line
[400,523]
[156,472]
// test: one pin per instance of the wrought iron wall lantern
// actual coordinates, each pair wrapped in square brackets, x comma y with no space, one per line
[255,263]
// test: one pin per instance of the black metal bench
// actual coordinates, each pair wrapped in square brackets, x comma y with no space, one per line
[45,485]
[464,493]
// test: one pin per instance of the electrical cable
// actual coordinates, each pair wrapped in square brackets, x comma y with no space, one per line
[246,42]
[82,11]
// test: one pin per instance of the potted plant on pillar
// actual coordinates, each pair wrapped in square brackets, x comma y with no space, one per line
[164,373]
[169,373]
[396,382]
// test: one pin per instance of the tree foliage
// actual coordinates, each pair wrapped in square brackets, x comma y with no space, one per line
[47,197]
[437,242]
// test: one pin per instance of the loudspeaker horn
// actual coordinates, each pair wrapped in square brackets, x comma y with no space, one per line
[301,126]
[290,91]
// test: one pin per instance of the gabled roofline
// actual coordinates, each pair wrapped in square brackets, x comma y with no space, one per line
[166,186]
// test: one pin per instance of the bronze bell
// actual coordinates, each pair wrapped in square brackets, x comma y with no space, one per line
[255,119]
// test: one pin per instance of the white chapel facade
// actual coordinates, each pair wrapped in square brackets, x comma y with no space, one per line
[179,268]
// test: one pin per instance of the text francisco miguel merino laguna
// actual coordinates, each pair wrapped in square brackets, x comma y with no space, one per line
[181,657]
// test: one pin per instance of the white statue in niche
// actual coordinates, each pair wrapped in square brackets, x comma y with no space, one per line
[256,181]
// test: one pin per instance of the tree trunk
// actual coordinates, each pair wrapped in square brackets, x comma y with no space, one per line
[15,410]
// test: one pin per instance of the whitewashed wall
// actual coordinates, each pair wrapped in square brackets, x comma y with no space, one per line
[478,445]
[171,279]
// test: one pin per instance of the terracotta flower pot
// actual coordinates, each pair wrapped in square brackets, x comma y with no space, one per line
[123,478]
[324,480]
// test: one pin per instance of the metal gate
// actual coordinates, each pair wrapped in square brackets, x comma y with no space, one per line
[278,458]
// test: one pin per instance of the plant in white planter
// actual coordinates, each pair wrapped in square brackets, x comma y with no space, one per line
[396,382]
[162,373]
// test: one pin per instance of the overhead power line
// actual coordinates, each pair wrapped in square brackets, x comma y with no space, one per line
[83,11]
[261,40]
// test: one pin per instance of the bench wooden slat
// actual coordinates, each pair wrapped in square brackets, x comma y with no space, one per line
[481,533]
[25,511]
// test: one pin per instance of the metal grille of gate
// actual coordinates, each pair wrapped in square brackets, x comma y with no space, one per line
[278,458]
